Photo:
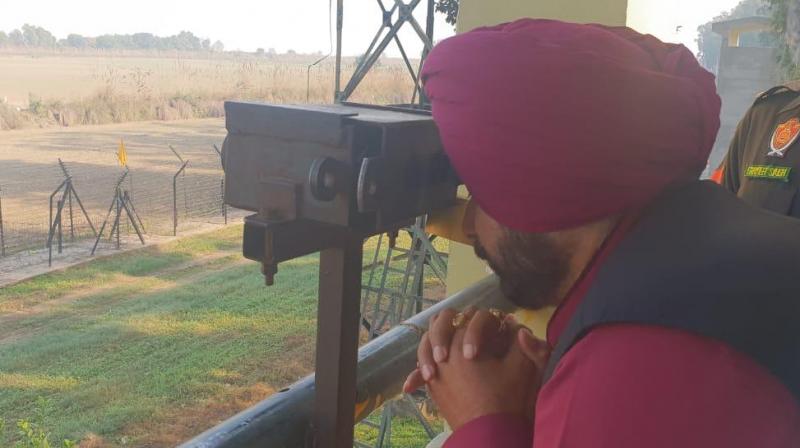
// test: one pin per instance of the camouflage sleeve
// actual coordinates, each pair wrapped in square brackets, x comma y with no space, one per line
[731,166]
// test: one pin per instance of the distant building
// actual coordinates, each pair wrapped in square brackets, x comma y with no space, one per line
[747,67]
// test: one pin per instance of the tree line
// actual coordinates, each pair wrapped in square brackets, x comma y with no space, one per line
[786,23]
[31,36]
[784,36]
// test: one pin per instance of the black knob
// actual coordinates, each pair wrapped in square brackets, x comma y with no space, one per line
[327,178]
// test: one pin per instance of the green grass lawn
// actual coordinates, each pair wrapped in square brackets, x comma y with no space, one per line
[149,347]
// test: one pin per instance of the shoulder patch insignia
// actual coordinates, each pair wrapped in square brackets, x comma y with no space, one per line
[783,137]
[769,172]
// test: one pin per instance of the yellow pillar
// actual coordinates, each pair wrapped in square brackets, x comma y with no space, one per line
[475,13]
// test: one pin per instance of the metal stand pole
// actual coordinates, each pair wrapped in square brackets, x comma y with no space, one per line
[429,30]
[337,331]
[429,26]
[405,301]
[337,91]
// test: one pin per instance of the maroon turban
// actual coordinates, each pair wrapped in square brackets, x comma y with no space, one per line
[552,125]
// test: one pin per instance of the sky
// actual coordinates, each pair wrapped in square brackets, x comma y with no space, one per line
[677,20]
[300,25]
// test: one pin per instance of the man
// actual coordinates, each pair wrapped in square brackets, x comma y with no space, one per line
[764,156]
[677,303]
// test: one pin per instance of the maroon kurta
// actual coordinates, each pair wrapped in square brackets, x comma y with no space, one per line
[634,386]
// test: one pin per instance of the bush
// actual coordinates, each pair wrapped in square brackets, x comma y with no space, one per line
[35,105]
[32,433]
[10,118]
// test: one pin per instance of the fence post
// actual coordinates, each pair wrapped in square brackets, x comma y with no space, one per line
[222,197]
[175,198]
[219,153]
[222,184]
[119,213]
[54,221]
[108,213]
[71,220]
[67,195]
[59,219]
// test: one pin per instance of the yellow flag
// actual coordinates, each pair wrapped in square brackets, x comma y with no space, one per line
[122,155]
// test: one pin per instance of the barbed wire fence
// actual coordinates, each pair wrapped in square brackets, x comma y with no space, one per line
[168,198]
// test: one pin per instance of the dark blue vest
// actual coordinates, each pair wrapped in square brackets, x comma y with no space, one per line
[703,261]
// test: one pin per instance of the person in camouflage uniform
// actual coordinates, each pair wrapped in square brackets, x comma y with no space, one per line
[764,157]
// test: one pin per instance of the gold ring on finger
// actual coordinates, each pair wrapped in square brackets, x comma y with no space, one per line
[501,316]
[459,321]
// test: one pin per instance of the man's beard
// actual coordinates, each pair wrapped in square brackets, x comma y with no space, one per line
[530,266]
